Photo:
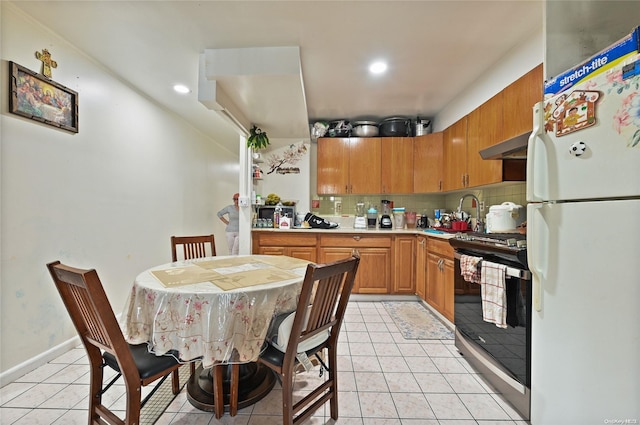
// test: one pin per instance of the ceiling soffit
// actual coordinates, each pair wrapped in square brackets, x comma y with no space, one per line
[256,85]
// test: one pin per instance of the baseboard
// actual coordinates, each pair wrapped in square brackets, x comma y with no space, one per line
[33,363]
[382,297]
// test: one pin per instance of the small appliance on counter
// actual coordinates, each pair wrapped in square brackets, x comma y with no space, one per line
[505,218]
[423,221]
[372,217]
[360,221]
[385,219]
[385,222]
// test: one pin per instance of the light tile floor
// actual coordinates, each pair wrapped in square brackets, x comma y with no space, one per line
[383,380]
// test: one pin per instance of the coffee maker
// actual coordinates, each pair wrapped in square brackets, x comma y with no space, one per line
[385,219]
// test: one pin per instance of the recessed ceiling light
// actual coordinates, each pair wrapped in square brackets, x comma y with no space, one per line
[182,89]
[378,67]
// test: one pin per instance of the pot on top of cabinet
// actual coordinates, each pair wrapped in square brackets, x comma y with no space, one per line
[364,129]
[421,127]
[395,127]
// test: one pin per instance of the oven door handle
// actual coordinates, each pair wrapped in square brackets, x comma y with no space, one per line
[511,271]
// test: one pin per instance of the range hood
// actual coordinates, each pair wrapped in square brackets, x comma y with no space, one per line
[515,148]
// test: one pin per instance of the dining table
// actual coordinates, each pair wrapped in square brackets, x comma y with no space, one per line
[216,311]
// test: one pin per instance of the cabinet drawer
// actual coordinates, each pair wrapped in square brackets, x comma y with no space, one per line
[355,241]
[440,246]
[281,239]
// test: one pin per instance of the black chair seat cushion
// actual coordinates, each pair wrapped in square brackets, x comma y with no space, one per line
[274,356]
[148,363]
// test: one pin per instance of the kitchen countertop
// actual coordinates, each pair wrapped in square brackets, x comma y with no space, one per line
[342,230]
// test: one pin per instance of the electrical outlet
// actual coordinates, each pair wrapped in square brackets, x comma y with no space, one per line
[481,205]
[338,207]
[243,201]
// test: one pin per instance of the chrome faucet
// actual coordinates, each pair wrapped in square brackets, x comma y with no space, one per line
[479,223]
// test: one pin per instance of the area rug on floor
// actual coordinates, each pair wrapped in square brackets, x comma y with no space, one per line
[415,321]
[162,398]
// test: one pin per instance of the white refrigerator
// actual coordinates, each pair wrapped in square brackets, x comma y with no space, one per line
[583,238]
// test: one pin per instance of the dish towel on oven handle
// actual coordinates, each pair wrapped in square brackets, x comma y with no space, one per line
[469,268]
[494,297]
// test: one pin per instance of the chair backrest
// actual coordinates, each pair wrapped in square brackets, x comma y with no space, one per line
[323,300]
[92,315]
[193,247]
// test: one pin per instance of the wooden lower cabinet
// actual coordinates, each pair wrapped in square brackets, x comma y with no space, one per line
[440,276]
[404,264]
[374,271]
[389,264]
[421,267]
[292,245]
[449,290]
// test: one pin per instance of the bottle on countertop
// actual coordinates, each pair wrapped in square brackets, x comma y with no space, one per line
[277,213]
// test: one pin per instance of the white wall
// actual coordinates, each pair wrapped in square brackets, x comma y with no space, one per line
[520,60]
[288,186]
[108,197]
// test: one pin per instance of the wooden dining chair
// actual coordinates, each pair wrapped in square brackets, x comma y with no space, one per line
[193,247]
[196,247]
[95,322]
[312,327]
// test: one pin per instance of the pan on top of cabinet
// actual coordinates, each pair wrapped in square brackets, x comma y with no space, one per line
[364,129]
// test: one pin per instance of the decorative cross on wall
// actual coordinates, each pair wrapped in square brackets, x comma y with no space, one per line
[47,62]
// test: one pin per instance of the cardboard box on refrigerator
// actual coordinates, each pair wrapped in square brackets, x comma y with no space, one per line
[626,51]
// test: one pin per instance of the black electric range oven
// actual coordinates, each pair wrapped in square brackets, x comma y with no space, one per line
[501,355]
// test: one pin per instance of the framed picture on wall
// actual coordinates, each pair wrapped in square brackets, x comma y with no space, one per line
[41,99]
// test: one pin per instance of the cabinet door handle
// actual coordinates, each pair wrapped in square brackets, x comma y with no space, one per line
[463,180]
[356,238]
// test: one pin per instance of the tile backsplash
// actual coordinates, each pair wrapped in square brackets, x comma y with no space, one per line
[331,206]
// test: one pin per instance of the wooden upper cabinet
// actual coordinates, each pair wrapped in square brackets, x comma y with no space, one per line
[348,165]
[518,100]
[397,165]
[484,130]
[333,165]
[427,163]
[455,155]
[364,165]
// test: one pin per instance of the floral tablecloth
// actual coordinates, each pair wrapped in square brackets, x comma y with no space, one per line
[203,320]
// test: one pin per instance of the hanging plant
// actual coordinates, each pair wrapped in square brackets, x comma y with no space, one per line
[257,139]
